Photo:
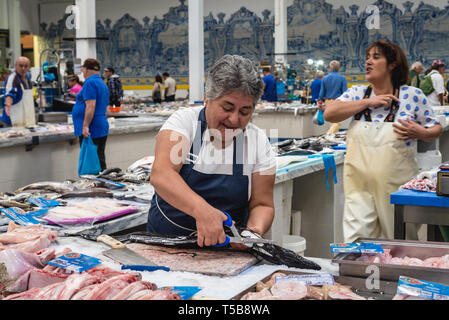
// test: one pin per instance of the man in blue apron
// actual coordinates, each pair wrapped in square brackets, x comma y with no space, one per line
[211,159]
[19,104]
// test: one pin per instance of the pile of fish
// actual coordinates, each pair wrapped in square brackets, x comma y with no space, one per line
[23,248]
[387,258]
[24,274]
[293,290]
[308,146]
[98,283]
[139,104]
[133,185]
[41,129]
[89,211]
[266,251]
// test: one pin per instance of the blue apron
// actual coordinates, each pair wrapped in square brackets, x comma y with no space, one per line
[224,192]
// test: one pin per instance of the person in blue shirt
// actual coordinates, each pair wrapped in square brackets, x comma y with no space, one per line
[89,112]
[332,87]
[334,84]
[315,86]
[269,92]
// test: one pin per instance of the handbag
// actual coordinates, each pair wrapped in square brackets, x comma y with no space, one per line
[88,162]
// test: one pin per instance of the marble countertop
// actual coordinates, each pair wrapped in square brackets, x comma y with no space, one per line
[119,126]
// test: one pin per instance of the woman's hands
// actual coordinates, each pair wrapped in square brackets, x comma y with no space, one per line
[383,100]
[409,130]
[209,225]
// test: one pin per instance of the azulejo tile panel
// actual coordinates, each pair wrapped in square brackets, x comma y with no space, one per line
[317,30]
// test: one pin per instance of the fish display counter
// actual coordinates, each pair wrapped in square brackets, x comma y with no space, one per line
[55,150]
[290,120]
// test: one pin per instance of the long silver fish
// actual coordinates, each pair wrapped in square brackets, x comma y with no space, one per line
[59,187]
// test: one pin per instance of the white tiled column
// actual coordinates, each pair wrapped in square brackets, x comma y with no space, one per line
[196,51]
[14,29]
[280,27]
[85,28]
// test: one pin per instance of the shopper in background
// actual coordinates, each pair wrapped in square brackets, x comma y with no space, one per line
[157,89]
[75,85]
[436,97]
[315,86]
[89,112]
[114,86]
[332,86]
[170,87]
[18,93]
[230,166]
[269,89]
[413,78]
[388,118]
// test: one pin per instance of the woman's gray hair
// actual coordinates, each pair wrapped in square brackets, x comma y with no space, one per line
[234,73]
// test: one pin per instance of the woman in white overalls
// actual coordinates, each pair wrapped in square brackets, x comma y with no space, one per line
[388,117]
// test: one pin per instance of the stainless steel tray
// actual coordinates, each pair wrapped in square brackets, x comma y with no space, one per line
[386,290]
[399,248]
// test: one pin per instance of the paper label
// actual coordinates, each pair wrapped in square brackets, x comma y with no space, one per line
[44,203]
[19,216]
[74,261]
[111,184]
[319,279]
[364,247]
[425,289]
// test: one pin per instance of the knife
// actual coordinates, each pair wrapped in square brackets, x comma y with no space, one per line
[126,256]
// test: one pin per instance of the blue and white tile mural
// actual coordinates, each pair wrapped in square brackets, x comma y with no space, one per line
[317,30]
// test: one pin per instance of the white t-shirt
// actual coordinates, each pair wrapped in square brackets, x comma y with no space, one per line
[258,154]
[438,86]
[170,85]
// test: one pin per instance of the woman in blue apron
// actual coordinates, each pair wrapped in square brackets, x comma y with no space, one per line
[192,185]
[388,117]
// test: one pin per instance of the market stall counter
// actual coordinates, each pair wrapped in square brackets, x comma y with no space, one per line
[412,206]
[55,150]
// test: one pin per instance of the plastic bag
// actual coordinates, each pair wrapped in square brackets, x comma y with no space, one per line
[318,118]
[88,162]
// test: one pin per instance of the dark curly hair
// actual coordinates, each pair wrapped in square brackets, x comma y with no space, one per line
[394,55]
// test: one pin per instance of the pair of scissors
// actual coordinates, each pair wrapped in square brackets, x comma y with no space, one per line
[237,238]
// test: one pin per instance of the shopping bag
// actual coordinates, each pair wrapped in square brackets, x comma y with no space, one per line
[88,162]
[318,118]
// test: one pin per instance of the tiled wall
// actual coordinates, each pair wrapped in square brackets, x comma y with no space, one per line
[317,30]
